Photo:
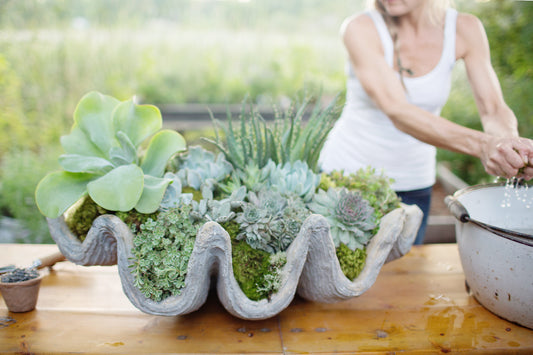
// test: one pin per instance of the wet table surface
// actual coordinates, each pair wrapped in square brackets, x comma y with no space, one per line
[418,304]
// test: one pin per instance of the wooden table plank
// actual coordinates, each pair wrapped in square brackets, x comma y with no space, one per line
[418,304]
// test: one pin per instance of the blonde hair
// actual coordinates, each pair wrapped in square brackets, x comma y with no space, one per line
[434,8]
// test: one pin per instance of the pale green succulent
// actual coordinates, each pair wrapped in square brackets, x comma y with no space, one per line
[201,169]
[220,211]
[351,218]
[251,176]
[375,188]
[174,195]
[105,158]
[292,179]
[269,221]
[288,179]
[252,223]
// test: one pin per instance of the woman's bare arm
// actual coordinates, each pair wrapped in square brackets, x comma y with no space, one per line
[473,47]
[383,86]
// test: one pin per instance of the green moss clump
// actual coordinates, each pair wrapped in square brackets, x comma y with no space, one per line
[196,194]
[86,211]
[352,261]
[257,272]
[81,220]
[134,219]
[232,228]
[249,267]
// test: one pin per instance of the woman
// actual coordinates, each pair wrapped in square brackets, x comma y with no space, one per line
[401,57]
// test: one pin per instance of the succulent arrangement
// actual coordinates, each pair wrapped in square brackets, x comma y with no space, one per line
[19,275]
[261,182]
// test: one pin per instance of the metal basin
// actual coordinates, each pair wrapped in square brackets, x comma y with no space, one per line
[493,230]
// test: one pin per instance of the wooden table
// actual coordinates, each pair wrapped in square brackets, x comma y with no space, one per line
[418,304]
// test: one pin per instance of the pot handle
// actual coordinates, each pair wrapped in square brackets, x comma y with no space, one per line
[457,209]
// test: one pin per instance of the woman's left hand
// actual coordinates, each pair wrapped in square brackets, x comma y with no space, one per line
[509,157]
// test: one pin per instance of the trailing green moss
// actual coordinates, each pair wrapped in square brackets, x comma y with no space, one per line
[162,249]
[134,219]
[257,272]
[81,220]
[232,228]
[86,211]
[352,261]
[196,194]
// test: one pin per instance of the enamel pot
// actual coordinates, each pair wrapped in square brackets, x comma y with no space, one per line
[494,230]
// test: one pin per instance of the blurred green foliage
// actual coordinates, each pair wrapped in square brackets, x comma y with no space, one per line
[52,52]
[280,15]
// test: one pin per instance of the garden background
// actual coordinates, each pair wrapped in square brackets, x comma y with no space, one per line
[52,52]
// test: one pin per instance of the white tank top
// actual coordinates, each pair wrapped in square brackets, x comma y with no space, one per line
[364,136]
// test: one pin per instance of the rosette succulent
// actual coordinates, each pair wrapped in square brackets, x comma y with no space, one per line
[375,188]
[251,176]
[220,211]
[351,218]
[105,158]
[269,221]
[200,169]
[292,179]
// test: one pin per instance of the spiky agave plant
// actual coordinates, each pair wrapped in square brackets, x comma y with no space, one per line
[293,137]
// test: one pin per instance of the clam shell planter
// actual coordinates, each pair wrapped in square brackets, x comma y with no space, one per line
[312,267]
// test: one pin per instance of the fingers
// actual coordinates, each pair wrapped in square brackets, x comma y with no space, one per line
[524,147]
[526,173]
[509,157]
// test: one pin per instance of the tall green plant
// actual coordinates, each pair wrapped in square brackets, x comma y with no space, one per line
[104,158]
[302,140]
[292,137]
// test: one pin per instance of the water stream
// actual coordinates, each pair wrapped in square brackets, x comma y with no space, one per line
[513,187]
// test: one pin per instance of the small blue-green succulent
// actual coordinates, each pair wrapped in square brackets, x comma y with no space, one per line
[292,179]
[174,195]
[106,159]
[201,169]
[288,179]
[351,218]
[220,211]
[269,221]
[251,176]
